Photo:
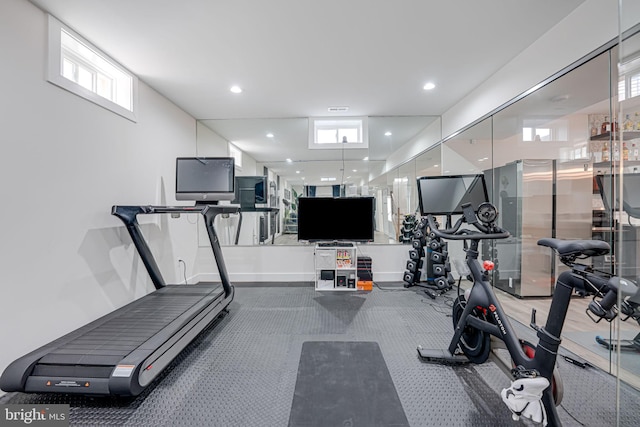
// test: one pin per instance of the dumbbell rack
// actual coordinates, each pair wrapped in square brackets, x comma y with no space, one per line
[408,227]
[436,258]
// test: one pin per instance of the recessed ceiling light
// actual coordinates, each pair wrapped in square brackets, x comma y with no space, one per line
[289,160]
[366,158]
[388,133]
[297,171]
[429,86]
[235,89]
[354,170]
[435,166]
[269,135]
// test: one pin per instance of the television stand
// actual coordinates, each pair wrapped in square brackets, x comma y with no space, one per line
[336,266]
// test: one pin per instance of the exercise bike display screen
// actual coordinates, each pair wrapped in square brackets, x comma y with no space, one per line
[630,193]
[445,195]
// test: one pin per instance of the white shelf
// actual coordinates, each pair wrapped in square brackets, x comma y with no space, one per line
[336,268]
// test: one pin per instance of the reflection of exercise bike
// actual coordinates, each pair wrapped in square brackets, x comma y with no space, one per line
[630,307]
[477,314]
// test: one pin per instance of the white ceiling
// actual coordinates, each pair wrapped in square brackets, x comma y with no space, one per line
[295,58]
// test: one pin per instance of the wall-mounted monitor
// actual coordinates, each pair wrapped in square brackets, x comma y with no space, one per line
[328,219]
[205,179]
[630,192]
[445,195]
[251,192]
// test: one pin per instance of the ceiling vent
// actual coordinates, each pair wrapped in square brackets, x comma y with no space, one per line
[338,109]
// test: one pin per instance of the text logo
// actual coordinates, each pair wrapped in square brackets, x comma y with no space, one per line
[34,415]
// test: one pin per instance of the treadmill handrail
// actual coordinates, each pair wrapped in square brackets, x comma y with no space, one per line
[128,214]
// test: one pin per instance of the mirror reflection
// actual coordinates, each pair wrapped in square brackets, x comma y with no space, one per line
[280,155]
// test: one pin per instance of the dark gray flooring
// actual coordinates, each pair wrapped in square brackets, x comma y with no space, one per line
[243,371]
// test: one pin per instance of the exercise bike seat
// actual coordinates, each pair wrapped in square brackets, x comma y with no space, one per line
[585,248]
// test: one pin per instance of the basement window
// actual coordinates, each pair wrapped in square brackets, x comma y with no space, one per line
[78,66]
[335,133]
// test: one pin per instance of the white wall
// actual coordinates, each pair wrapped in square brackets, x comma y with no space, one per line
[65,260]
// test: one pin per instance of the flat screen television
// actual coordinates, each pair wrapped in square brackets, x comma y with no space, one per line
[251,192]
[335,219]
[630,193]
[205,179]
[444,195]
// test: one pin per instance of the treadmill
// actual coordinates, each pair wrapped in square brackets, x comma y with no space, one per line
[122,352]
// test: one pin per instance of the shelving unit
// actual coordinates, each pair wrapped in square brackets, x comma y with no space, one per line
[336,267]
[626,136]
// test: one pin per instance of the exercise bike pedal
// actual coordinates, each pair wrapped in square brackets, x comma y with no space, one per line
[441,356]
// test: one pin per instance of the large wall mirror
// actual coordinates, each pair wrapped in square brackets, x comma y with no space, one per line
[279,150]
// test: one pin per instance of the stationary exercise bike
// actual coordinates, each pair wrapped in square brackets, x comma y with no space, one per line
[477,314]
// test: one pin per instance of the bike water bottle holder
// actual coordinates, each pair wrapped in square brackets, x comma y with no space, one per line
[596,312]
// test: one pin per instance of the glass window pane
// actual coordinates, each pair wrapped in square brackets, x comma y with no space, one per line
[105,85]
[85,78]
[326,136]
[68,69]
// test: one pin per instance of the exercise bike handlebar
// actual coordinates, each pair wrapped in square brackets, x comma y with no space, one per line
[455,233]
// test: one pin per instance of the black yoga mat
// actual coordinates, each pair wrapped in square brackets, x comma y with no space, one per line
[344,384]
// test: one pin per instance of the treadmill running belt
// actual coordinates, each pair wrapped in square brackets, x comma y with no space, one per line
[120,336]
[344,383]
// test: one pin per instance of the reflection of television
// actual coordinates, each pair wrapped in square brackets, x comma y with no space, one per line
[630,192]
[335,219]
[204,179]
[251,192]
[444,195]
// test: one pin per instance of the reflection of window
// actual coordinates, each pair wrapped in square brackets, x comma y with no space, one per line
[81,68]
[338,132]
[629,86]
[536,134]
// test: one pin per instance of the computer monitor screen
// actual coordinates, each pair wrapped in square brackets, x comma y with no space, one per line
[630,192]
[322,219]
[205,179]
[445,195]
[251,192]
